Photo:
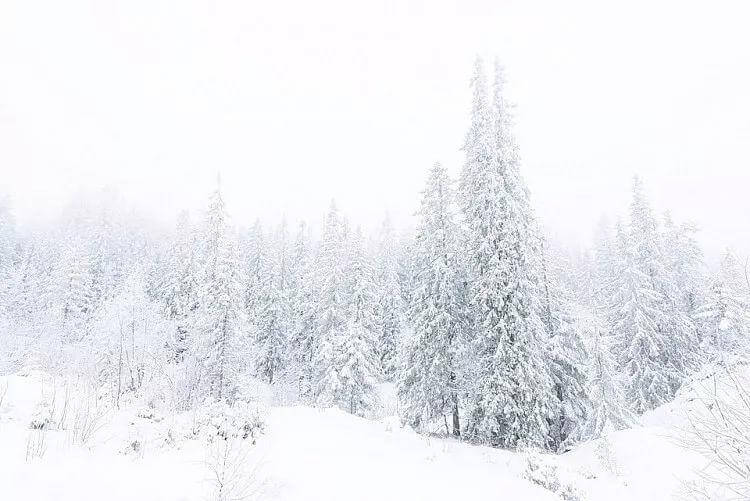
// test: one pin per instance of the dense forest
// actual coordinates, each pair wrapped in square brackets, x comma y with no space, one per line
[489,331]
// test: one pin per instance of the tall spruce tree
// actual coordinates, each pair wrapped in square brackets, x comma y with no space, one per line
[330,313]
[76,298]
[390,304]
[222,322]
[257,267]
[272,315]
[635,318]
[180,287]
[7,248]
[358,358]
[653,335]
[428,384]
[567,362]
[510,399]
[304,311]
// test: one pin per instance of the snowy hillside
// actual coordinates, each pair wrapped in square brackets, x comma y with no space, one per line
[314,454]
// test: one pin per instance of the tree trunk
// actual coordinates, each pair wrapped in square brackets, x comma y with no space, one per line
[456,422]
[454,400]
[119,369]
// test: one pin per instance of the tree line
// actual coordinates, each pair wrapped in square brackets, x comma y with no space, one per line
[488,331]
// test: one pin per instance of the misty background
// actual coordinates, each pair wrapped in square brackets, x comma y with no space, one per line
[295,104]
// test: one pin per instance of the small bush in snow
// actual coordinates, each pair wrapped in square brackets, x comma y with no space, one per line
[217,419]
[135,447]
[41,419]
[546,474]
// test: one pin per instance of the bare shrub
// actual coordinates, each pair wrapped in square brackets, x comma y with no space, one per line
[719,429]
[233,476]
[36,444]
[54,403]
[88,415]
[231,433]
[63,415]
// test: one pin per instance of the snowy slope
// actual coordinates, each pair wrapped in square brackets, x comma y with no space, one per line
[316,454]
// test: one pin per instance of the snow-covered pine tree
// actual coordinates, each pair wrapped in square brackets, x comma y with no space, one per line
[74,289]
[653,336]
[725,315]
[104,236]
[304,295]
[510,398]
[331,320]
[221,323]
[273,312]
[429,369]
[606,263]
[406,248]
[179,289]
[684,267]
[7,247]
[28,280]
[609,410]
[634,319]
[567,361]
[359,365]
[675,341]
[390,305]
[682,285]
[257,267]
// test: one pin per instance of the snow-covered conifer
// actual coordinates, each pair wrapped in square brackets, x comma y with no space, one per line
[567,362]
[359,365]
[273,311]
[180,286]
[725,315]
[331,320]
[429,369]
[257,267]
[652,334]
[221,324]
[304,311]
[390,304]
[510,398]
[609,410]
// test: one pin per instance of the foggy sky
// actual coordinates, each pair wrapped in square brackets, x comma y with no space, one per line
[298,102]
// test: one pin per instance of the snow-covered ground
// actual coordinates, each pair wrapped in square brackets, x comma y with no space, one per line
[311,454]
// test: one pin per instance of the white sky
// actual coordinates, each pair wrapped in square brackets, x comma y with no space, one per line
[298,102]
